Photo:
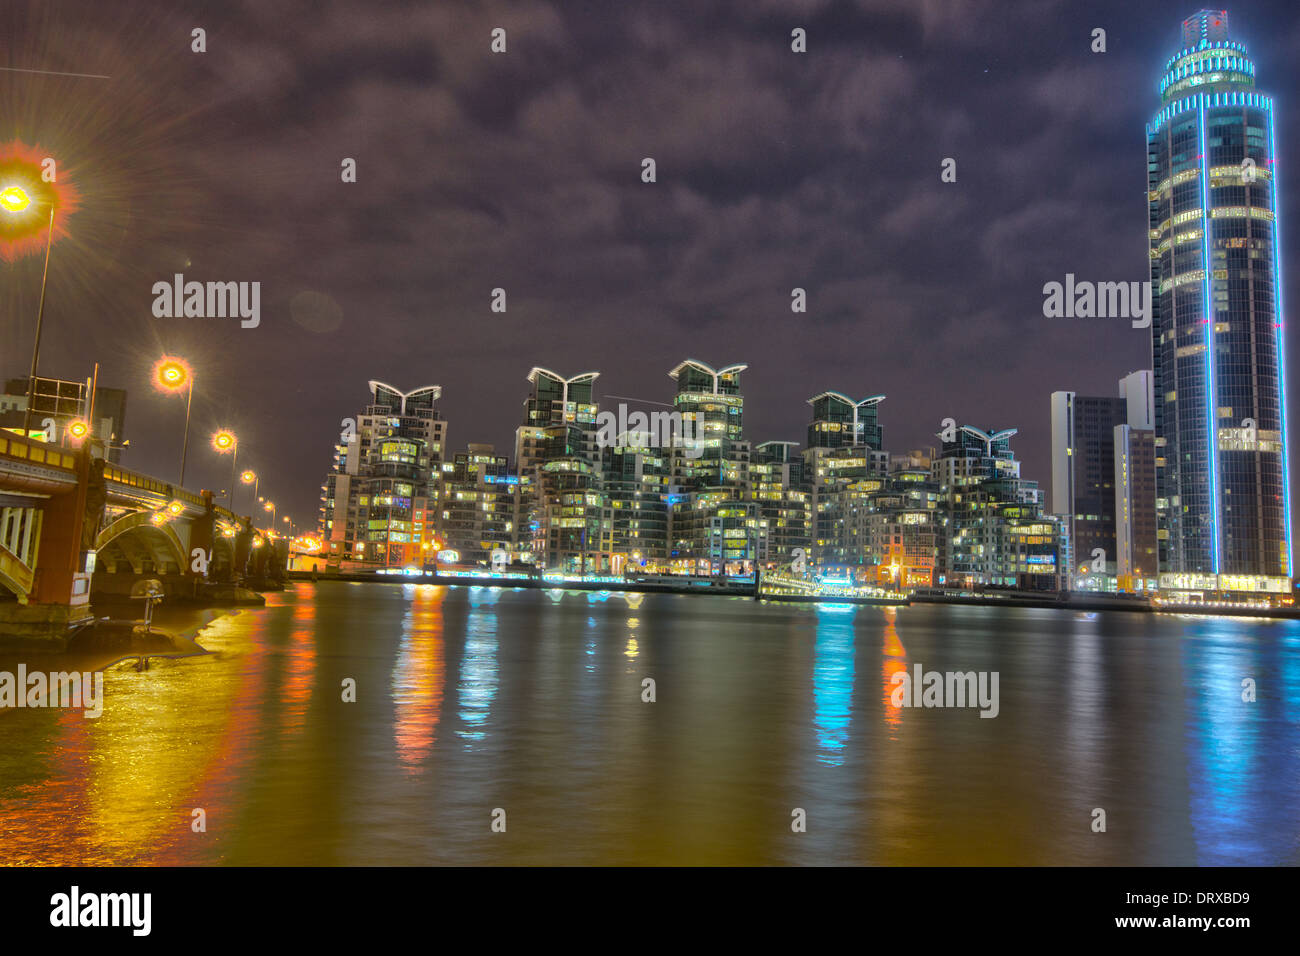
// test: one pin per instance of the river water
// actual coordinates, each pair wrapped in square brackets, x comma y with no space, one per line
[475,704]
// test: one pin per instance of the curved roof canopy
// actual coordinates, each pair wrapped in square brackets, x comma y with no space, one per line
[706,369]
[556,376]
[873,400]
[433,391]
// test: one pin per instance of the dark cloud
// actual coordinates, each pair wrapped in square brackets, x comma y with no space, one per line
[522,171]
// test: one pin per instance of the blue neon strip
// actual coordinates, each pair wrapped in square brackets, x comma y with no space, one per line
[1212,435]
[1281,341]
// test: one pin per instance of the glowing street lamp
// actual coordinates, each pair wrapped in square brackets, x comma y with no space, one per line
[225,442]
[270,506]
[14,201]
[249,477]
[78,429]
[171,375]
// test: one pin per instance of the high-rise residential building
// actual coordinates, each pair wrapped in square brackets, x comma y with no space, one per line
[838,421]
[844,464]
[784,502]
[1084,491]
[1223,496]
[996,533]
[569,525]
[477,506]
[382,468]
[712,399]
[1135,506]
[1083,475]
[905,524]
[636,478]
[714,528]
[559,420]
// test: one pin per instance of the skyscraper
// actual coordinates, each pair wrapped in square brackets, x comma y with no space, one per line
[1222,497]
[713,526]
[1094,439]
[556,453]
[996,533]
[381,470]
[844,464]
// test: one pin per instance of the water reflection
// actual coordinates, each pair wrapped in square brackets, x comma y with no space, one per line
[418,677]
[1230,795]
[755,716]
[833,680]
[893,661]
[478,673]
[300,666]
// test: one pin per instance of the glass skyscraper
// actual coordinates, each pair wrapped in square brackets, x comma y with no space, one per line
[1223,499]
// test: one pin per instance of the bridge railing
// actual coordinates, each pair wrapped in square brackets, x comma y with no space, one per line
[133,479]
[13,445]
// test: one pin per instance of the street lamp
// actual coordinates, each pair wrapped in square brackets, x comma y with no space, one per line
[270,506]
[224,441]
[249,477]
[14,200]
[171,375]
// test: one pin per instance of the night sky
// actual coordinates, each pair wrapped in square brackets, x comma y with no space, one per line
[522,171]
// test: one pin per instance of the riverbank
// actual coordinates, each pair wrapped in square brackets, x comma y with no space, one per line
[114,636]
[1054,600]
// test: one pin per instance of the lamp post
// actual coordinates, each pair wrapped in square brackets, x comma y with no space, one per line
[249,477]
[270,506]
[173,374]
[14,200]
[225,442]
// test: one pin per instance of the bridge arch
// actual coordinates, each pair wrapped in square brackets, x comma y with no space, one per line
[134,538]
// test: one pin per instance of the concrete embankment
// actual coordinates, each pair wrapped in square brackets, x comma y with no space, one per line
[1049,600]
[647,587]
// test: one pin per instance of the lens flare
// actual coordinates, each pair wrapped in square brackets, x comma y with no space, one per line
[31,184]
[171,374]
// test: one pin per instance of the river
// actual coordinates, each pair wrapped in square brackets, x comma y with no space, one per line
[528,708]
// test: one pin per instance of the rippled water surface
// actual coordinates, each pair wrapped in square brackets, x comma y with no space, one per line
[470,700]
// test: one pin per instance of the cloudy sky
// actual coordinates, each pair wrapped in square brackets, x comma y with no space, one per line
[522,171]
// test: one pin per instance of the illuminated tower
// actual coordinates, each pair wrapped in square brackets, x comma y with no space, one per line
[1222,491]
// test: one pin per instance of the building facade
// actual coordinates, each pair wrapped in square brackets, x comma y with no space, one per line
[477,508]
[568,524]
[1088,451]
[996,533]
[1223,495]
[381,476]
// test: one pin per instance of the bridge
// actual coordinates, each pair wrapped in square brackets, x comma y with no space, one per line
[75,527]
